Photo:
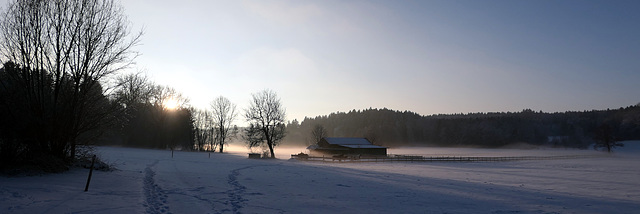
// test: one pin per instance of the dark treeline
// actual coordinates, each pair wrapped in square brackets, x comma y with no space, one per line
[404,128]
[56,58]
[151,126]
[43,119]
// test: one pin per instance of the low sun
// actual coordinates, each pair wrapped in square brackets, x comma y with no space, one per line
[171,103]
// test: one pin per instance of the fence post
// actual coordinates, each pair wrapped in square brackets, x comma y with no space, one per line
[93,160]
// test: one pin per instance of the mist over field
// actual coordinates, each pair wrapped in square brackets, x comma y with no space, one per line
[285,152]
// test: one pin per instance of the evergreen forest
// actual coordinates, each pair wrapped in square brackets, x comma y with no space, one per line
[575,129]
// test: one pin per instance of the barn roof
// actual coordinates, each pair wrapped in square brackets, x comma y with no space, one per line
[363,146]
[351,142]
[347,141]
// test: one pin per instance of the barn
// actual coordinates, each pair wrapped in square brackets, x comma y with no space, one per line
[346,145]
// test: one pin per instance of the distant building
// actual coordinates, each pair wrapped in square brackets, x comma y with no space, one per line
[346,145]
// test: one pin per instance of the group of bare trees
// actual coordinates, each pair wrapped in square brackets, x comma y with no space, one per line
[265,115]
[213,127]
[146,118]
[56,55]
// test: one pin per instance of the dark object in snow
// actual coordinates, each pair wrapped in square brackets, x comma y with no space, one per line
[84,159]
[93,160]
[254,155]
[300,156]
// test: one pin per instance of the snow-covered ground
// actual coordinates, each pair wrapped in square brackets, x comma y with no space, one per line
[150,181]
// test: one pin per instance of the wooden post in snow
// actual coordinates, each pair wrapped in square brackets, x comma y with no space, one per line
[93,160]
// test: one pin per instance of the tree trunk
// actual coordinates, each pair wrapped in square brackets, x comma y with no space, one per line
[273,155]
[222,137]
[73,151]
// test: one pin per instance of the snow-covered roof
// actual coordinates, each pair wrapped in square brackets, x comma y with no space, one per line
[363,146]
[347,141]
[351,142]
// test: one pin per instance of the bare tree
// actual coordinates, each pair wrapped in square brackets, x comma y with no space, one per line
[605,139]
[168,97]
[223,114]
[318,133]
[266,116]
[133,89]
[253,136]
[204,131]
[67,46]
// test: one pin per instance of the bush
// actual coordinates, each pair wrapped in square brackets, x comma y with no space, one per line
[84,155]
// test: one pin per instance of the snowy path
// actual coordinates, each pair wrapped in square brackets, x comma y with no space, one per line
[155,199]
[238,193]
[150,181]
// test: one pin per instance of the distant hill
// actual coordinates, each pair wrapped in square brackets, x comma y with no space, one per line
[404,128]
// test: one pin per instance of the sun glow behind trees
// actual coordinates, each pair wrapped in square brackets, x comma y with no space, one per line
[171,103]
[169,98]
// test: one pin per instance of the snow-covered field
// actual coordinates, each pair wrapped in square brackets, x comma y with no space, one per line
[150,181]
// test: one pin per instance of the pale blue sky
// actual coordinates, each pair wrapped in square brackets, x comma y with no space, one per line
[429,57]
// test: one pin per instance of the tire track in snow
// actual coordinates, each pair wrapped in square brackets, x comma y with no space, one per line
[155,199]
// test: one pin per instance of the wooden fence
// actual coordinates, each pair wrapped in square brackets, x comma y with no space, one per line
[405,158]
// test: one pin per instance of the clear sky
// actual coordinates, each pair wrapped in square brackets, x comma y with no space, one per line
[429,57]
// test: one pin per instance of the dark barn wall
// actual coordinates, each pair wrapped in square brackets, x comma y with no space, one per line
[369,151]
[338,150]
